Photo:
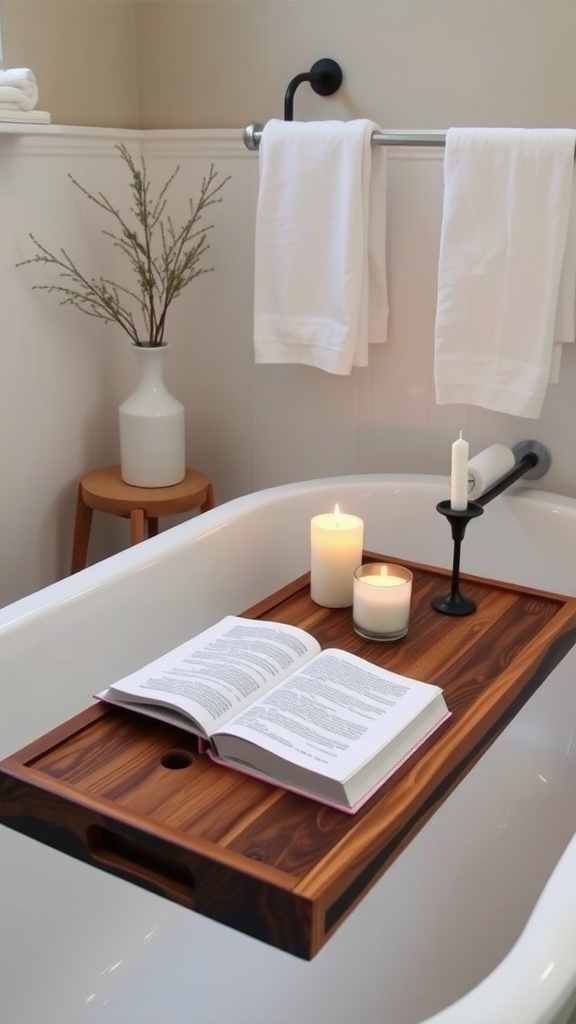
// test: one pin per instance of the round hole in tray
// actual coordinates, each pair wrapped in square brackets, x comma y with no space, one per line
[176,759]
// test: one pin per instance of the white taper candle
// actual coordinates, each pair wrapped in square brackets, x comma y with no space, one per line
[459,475]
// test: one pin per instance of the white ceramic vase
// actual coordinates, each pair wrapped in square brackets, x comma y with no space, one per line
[152,428]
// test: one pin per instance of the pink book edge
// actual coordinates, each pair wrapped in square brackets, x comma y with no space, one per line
[204,747]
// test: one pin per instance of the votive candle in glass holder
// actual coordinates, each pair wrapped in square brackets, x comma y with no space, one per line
[381,606]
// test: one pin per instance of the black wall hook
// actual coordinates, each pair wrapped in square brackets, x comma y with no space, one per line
[325,77]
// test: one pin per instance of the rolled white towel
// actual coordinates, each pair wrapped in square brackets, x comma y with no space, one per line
[18,78]
[18,86]
[487,467]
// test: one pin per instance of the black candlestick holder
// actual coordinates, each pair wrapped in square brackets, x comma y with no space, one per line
[454,603]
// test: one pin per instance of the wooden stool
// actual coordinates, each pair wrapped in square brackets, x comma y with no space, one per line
[105,491]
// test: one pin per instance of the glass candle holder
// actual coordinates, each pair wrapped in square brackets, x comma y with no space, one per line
[381,604]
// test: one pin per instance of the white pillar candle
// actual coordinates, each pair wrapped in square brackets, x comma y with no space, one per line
[336,541]
[382,595]
[459,475]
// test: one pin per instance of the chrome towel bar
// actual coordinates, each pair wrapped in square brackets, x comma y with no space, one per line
[433,137]
[253,133]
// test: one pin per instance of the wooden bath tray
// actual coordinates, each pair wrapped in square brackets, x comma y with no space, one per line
[132,796]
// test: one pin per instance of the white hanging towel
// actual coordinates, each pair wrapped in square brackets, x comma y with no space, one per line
[507,194]
[565,329]
[320,292]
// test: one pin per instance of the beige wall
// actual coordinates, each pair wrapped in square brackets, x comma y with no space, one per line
[226,63]
[83,53]
[407,63]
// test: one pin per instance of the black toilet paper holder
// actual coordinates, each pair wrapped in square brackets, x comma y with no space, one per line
[532,460]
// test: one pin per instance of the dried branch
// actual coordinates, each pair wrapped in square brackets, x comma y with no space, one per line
[164,260]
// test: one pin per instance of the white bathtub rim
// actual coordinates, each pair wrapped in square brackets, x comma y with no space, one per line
[133,559]
[138,556]
[535,981]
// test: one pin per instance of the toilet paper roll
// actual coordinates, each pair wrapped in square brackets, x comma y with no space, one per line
[487,467]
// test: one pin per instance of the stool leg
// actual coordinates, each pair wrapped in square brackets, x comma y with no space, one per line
[153,526]
[208,502]
[81,533]
[137,525]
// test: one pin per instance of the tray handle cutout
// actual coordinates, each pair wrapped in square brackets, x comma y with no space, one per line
[144,865]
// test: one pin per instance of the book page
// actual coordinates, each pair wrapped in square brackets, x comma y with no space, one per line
[218,673]
[331,716]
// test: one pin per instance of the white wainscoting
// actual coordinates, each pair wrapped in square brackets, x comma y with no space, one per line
[248,426]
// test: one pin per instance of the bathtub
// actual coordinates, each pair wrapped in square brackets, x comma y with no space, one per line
[474,923]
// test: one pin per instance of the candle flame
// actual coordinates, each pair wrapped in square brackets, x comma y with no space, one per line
[336,513]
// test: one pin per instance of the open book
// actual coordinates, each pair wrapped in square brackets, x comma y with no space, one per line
[265,699]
